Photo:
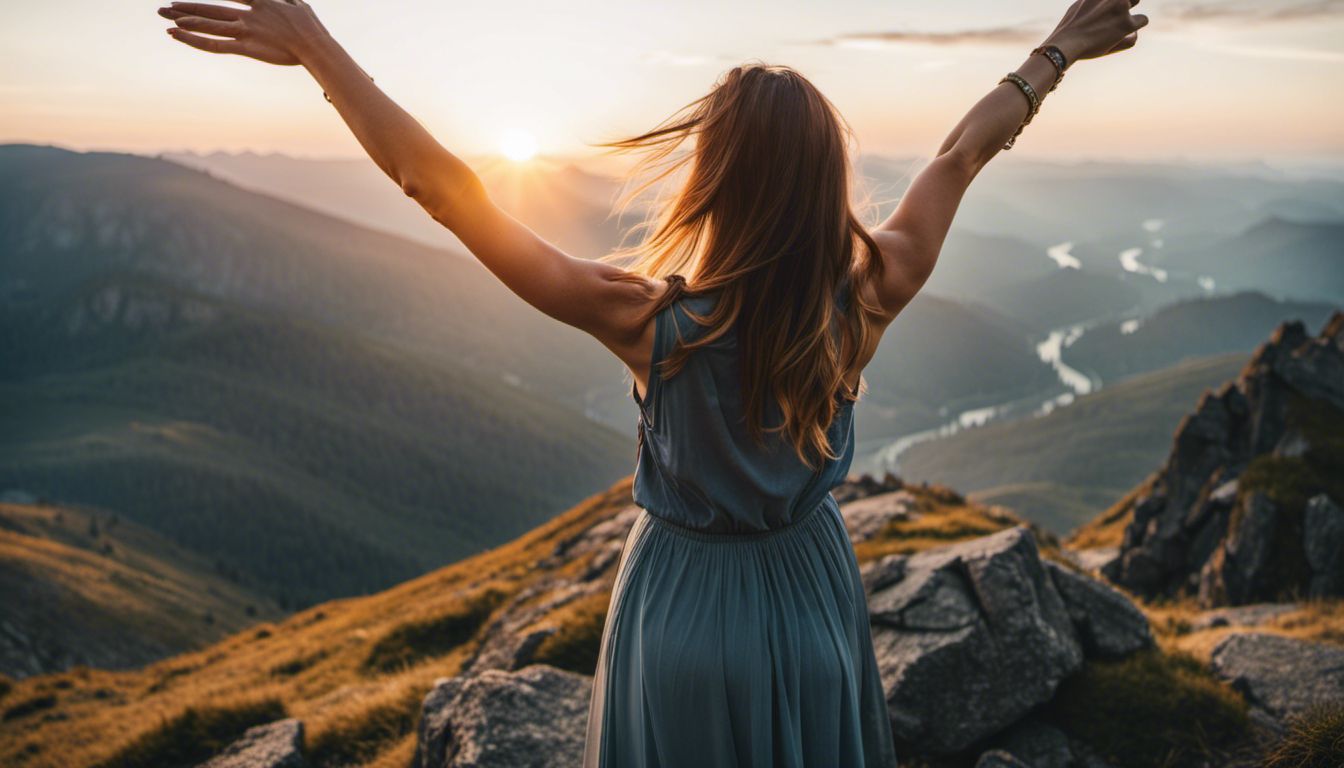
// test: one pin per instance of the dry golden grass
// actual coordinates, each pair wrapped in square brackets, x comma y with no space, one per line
[574,645]
[1314,620]
[1315,739]
[314,663]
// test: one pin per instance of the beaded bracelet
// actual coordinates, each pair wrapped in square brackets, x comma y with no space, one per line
[1032,99]
[1055,57]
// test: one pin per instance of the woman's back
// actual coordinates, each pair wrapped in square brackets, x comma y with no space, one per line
[698,466]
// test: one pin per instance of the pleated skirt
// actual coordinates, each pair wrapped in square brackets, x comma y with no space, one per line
[738,650]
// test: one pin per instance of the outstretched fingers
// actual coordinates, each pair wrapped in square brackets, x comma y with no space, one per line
[210,26]
[203,10]
[207,44]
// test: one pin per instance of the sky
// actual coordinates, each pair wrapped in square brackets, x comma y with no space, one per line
[1210,79]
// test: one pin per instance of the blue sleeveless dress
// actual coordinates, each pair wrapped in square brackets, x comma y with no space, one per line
[737,633]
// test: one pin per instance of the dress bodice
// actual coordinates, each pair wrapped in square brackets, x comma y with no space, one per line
[698,466]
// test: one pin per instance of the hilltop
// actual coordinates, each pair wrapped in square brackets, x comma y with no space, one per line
[80,587]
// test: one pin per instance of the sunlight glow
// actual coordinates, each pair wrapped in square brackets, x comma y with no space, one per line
[518,146]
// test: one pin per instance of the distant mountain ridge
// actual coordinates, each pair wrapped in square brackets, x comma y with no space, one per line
[1279,256]
[1184,330]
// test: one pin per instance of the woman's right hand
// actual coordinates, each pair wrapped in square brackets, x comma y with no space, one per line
[1093,28]
[273,31]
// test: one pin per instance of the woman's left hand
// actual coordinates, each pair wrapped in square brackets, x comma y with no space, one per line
[273,31]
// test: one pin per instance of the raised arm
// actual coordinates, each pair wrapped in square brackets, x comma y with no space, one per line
[593,296]
[912,237]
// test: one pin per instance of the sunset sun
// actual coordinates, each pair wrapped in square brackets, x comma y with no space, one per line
[518,146]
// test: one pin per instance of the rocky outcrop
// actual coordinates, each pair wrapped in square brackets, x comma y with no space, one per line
[536,717]
[1279,675]
[1242,510]
[274,745]
[969,639]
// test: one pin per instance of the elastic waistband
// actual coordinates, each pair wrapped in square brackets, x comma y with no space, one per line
[702,535]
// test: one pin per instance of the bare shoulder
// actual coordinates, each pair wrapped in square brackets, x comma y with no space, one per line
[628,328]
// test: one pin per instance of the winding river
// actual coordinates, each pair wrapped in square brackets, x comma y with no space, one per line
[884,455]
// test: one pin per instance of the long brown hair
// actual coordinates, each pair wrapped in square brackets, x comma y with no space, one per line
[763,218]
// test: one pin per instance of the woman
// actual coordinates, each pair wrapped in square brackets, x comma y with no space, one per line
[738,630]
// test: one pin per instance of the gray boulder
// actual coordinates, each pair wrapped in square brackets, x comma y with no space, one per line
[973,637]
[534,718]
[1279,675]
[273,745]
[866,517]
[1109,625]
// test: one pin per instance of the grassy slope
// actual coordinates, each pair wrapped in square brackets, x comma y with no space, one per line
[327,666]
[1061,469]
[80,587]
[318,463]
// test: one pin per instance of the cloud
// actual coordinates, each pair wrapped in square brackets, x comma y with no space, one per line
[1014,35]
[1294,10]
[1181,12]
